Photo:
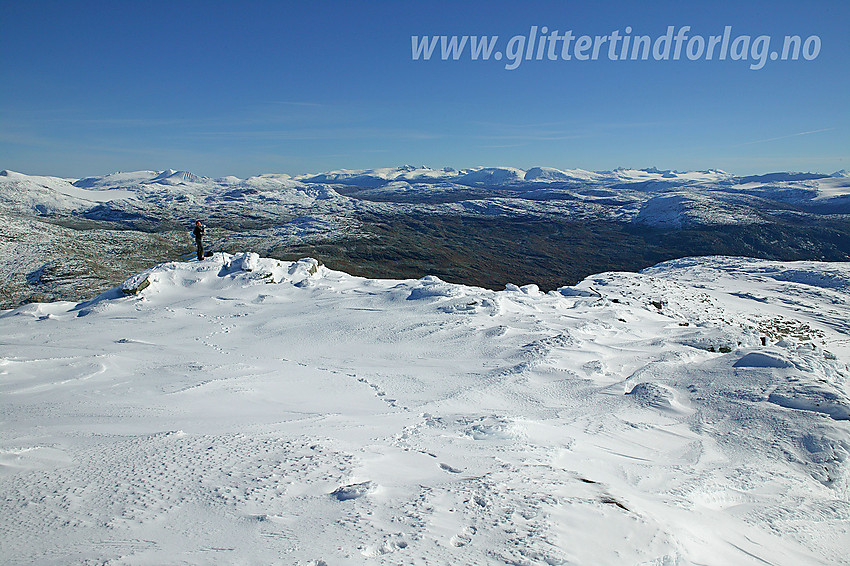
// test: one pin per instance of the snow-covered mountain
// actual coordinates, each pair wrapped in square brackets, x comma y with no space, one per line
[249,410]
[538,191]
[779,215]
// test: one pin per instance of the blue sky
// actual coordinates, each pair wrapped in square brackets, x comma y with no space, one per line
[227,88]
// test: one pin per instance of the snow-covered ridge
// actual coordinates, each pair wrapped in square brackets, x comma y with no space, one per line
[694,413]
[476,176]
[662,198]
[502,176]
[44,195]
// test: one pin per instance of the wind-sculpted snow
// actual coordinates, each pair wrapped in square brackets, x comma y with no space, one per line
[248,410]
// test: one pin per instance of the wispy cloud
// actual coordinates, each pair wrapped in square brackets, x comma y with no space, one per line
[133,122]
[541,136]
[332,133]
[520,125]
[785,137]
[504,146]
[295,103]
[501,133]
[272,112]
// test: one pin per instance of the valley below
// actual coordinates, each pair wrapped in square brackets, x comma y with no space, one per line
[71,239]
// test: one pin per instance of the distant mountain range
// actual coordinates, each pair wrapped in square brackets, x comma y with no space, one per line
[646,196]
[483,225]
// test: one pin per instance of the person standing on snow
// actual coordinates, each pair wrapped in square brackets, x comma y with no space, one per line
[198,232]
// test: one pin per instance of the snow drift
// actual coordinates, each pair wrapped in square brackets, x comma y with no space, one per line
[243,409]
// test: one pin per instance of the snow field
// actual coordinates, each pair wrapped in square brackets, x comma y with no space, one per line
[245,410]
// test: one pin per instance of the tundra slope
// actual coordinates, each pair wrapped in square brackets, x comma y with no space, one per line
[247,410]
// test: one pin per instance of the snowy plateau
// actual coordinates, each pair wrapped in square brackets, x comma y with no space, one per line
[243,410]
[247,409]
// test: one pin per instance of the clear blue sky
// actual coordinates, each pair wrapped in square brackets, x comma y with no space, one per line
[227,88]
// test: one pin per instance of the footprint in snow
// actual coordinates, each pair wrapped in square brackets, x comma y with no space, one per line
[464,537]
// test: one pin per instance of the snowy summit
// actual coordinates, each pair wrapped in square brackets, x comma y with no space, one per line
[248,410]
